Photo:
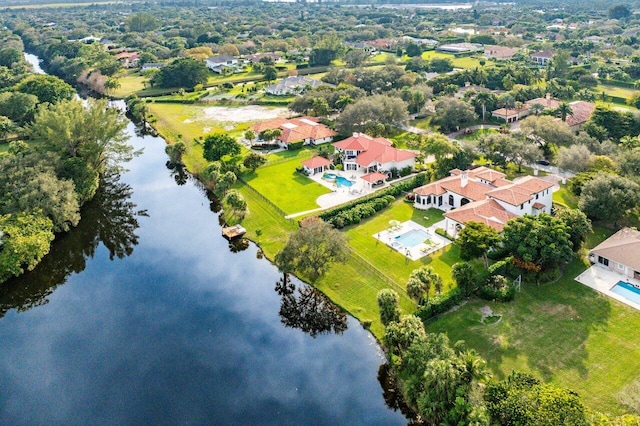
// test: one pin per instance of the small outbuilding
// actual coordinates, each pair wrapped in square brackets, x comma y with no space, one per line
[316,165]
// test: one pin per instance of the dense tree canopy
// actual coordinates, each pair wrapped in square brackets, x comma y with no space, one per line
[218,145]
[374,115]
[452,114]
[24,240]
[608,197]
[540,242]
[475,240]
[47,88]
[312,249]
[183,72]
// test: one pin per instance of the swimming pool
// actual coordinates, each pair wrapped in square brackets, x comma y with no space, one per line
[329,176]
[340,181]
[627,291]
[413,237]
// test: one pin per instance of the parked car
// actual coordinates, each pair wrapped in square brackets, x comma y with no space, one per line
[544,162]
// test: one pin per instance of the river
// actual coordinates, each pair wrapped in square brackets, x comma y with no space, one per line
[144,314]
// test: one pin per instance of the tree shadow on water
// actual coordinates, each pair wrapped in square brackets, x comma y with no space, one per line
[110,218]
[309,310]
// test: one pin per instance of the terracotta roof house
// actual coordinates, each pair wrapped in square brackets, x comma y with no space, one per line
[511,115]
[542,58]
[363,152]
[484,195]
[581,113]
[302,129]
[128,59]
[620,252]
[499,52]
[316,165]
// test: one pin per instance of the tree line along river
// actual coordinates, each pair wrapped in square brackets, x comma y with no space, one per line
[144,314]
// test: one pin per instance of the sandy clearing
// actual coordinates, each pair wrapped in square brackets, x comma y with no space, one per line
[246,113]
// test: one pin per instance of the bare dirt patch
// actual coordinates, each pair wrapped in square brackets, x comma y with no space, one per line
[554,309]
[243,114]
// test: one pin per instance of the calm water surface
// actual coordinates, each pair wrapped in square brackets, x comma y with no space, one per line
[143,315]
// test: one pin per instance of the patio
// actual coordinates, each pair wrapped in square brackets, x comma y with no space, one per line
[602,280]
[396,230]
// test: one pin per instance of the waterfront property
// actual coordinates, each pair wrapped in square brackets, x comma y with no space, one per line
[307,130]
[361,152]
[411,239]
[484,195]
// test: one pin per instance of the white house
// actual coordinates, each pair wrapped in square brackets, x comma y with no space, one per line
[620,252]
[362,152]
[292,85]
[484,195]
[542,58]
[219,62]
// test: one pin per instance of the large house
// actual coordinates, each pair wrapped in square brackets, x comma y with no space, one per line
[484,195]
[128,59]
[542,58]
[293,85]
[580,113]
[302,129]
[620,252]
[220,62]
[511,115]
[368,154]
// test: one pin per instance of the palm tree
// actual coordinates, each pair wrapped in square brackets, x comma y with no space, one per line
[343,101]
[536,108]
[563,110]
[482,98]
[420,282]
[629,142]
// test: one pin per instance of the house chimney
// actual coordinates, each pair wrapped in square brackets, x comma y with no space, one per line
[464,179]
[548,96]
[467,83]
[355,134]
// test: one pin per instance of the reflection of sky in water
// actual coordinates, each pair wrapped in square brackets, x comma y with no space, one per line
[182,331]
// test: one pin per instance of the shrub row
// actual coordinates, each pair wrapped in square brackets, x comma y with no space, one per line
[294,146]
[393,190]
[361,211]
[440,304]
[504,294]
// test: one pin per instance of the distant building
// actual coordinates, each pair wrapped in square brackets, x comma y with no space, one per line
[368,154]
[542,58]
[293,85]
[460,48]
[128,59]
[152,66]
[581,113]
[219,62]
[499,52]
[256,58]
[303,129]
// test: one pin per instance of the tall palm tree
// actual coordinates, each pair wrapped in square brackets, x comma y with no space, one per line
[563,110]
[482,98]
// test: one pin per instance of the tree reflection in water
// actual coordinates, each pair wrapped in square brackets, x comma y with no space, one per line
[110,218]
[178,172]
[306,308]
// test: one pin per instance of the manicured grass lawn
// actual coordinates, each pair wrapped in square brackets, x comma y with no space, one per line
[130,83]
[458,62]
[565,197]
[562,332]
[393,263]
[283,186]
[615,91]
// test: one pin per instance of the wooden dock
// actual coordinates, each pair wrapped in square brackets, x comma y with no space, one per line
[235,231]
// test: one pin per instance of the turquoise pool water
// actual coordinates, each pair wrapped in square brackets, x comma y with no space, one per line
[412,238]
[329,176]
[627,291]
[340,181]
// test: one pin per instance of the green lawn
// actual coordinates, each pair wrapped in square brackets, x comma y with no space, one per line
[393,263]
[616,91]
[458,62]
[283,186]
[562,332]
[565,197]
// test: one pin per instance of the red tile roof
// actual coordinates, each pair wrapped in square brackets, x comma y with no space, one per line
[374,177]
[373,150]
[521,191]
[315,162]
[581,113]
[488,212]
[547,103]
[296,129]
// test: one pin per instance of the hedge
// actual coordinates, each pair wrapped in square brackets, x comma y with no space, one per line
[294,146]
[393,190]
[440,304]
[360,211]
[506,294]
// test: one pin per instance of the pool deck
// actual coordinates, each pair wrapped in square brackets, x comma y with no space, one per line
[602,280]
[388,236]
